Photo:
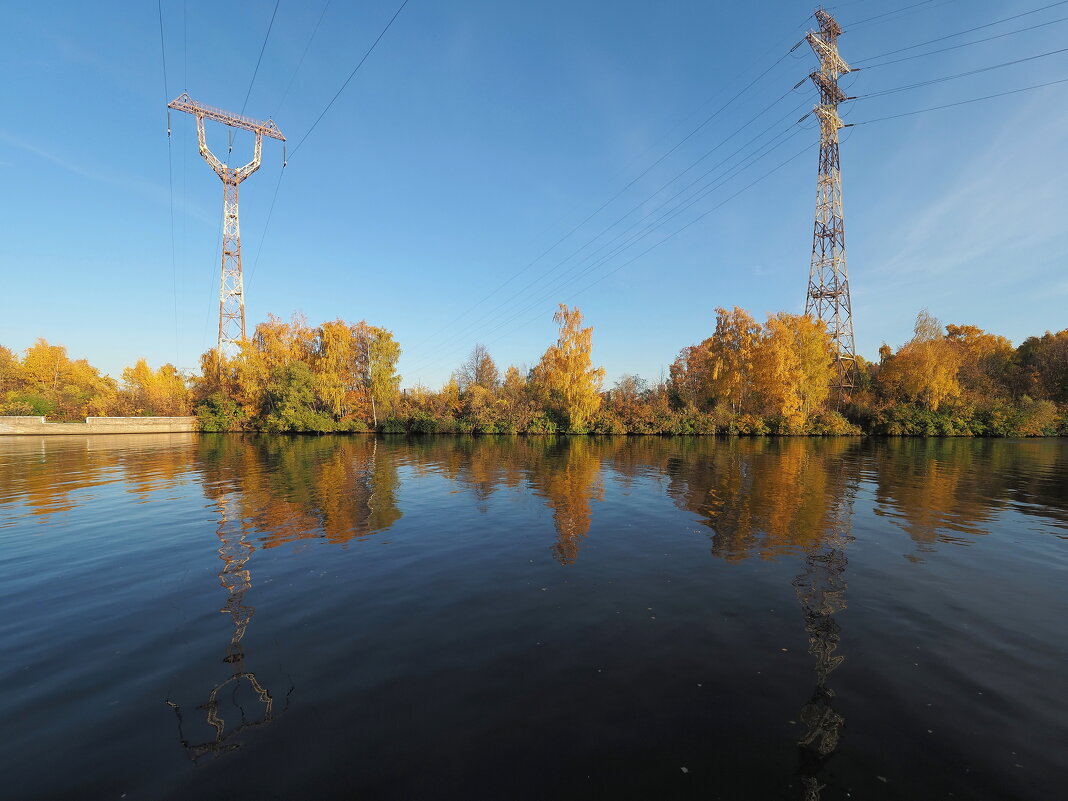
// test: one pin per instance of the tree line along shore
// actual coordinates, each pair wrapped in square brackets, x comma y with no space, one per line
[748,377]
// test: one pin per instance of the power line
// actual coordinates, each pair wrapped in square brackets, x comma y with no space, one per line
[263,47]
[675,212]
[888,13]
[780,166]
[698,218]
[965,44]
[266,225]
[636,207]
[351,75]
[614,197]
[964,102]
[674,233]
[960,74]
[170,183]
[278,184]
[300,63]
[962,33]
[663,220]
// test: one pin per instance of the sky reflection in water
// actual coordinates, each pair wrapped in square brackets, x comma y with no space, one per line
[534,617]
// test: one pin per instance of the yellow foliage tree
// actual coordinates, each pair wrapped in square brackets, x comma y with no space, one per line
[566,375]
[730,356]
[73,388]
[161,392]
[793,364]
[925,369]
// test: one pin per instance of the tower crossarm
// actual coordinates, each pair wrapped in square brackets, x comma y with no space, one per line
[228,174]
[827,53]
[830,93]
[264,128]
[220,168]
[244,172]
[829,26]
[828,117]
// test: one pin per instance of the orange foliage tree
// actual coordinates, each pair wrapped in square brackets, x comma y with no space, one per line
[566,376]
[792,366]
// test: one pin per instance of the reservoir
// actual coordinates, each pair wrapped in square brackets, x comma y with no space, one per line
[247,616]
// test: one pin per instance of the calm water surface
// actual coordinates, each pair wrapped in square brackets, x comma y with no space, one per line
[532,618]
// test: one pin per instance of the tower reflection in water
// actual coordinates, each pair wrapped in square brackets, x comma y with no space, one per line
[821,591]
[235,551]
[771,499]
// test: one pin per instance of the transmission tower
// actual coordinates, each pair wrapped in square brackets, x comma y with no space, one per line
[231,282]
[828,278]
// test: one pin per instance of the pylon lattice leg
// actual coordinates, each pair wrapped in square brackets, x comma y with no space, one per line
[231,281]
[828,282]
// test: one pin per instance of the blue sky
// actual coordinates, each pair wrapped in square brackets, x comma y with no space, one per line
[478,134]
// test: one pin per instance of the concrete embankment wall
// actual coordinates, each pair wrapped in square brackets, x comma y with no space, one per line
[10,425]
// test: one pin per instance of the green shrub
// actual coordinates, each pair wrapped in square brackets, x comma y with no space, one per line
[542,424]
[29,405]
[607,423]
[1037,418]
[392,425]
[422,423]
[752,424]
[219,413]
[831,424]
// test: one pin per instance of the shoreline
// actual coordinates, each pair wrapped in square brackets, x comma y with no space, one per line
[39,426]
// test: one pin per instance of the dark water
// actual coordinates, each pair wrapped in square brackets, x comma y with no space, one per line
[533,618]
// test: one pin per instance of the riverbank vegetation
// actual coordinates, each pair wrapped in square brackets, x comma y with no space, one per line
[747,377]
[44,381]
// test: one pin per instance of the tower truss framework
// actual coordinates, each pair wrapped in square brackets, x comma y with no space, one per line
[231,279]
[828,280]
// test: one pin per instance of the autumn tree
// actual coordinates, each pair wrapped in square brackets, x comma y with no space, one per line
[565,376]
[336,366]
[690,373]
[478,370]
[925,369]
[9,369]
[730,357]
[162,392]
[69,388]
[383,353]
[1040,367]
[291,376]
[985,359]
[516,407]
[793,365]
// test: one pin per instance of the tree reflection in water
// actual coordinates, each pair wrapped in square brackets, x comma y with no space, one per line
[297,488]
[771,498]
[765,498]
[568,476]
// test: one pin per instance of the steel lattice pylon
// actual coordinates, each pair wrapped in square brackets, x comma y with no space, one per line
[231,280]
[828,279]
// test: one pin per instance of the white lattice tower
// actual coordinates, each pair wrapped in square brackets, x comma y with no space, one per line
[231,279]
